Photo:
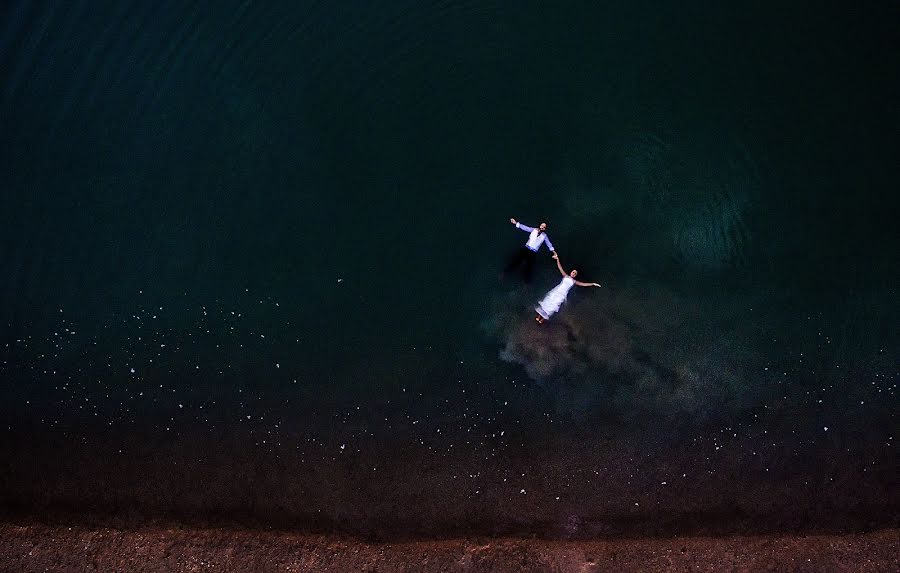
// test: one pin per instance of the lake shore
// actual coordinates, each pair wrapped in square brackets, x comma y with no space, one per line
[160,547]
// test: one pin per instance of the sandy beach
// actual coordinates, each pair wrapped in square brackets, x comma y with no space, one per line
[158,548]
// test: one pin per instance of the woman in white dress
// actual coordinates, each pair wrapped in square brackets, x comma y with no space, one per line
[554,299]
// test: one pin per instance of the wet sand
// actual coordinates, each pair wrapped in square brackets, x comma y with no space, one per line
[26,547]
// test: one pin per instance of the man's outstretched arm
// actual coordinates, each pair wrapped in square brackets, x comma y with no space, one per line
[519,225]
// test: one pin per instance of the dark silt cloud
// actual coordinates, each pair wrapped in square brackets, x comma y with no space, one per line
[644,351]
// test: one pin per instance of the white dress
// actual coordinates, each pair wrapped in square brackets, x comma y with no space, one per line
[554,299]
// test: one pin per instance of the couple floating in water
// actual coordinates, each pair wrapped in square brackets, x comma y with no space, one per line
[550,304]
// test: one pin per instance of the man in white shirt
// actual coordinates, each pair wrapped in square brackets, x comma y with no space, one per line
[528,252]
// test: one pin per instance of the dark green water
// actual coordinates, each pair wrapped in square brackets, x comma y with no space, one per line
[250,255]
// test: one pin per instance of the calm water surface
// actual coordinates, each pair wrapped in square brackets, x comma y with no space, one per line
[250,259]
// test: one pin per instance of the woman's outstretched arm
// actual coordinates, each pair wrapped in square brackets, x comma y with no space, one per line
[559,264]
[579,283]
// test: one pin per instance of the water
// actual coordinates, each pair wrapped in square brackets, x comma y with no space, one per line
[289,221]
